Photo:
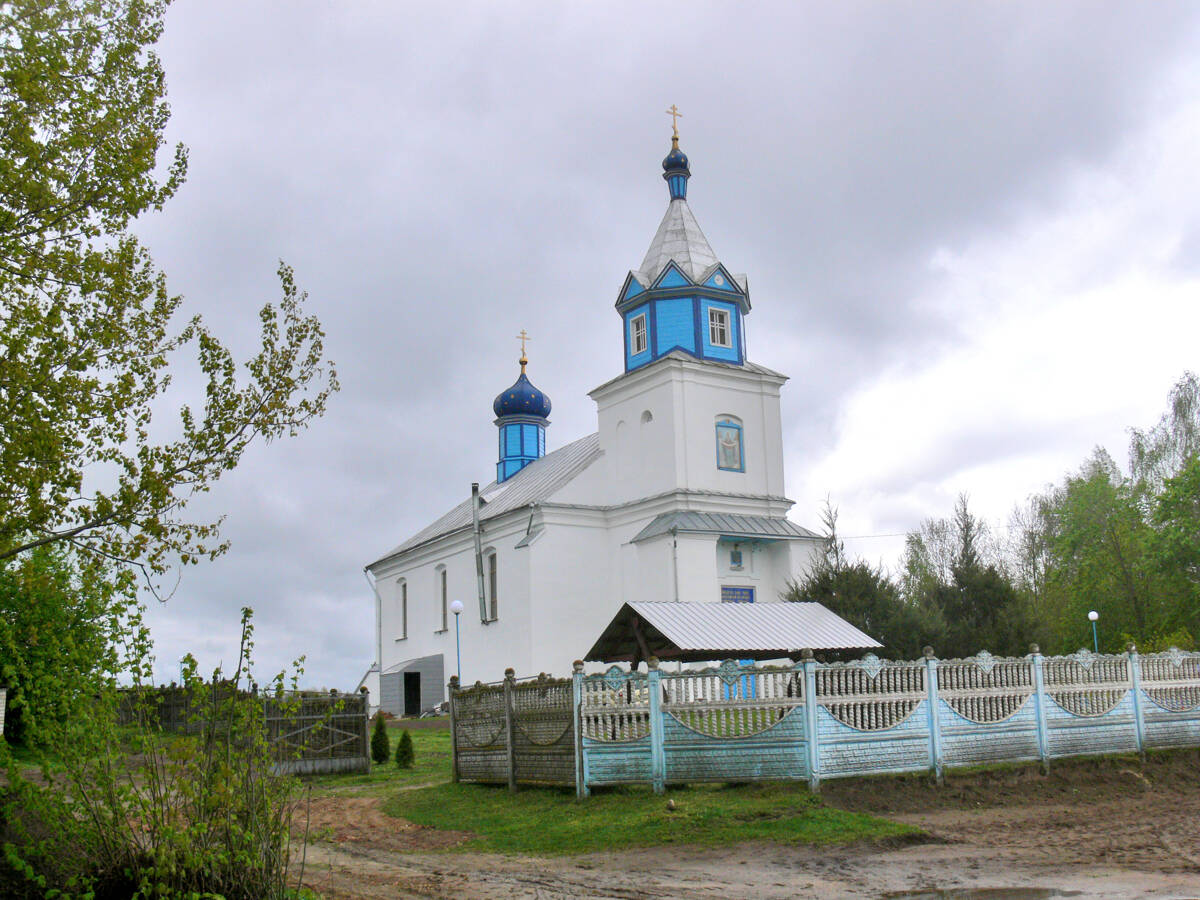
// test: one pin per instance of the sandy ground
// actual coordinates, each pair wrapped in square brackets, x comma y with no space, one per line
[1103,829]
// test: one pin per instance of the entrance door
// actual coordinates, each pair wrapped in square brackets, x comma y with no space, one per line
[412,693]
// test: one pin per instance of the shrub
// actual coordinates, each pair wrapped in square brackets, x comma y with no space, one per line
[381,749]
[404,750]
[137,811]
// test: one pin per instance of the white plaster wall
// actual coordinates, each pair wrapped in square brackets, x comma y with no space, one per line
[574,595]
[651,575]
[756,404]
[677,448]
[640,458]
[697,561]
[486,649]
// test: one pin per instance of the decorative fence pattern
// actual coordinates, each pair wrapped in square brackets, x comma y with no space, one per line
[316,734]
[813,720]
[514,730]
[309,733]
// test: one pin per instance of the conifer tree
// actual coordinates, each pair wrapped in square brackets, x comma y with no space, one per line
[380,747]
[404,751]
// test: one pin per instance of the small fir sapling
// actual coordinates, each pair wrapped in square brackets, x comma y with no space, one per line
[404,751]
[380,747]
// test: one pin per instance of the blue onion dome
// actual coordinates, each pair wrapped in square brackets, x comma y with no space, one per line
[676,160]
[522,399]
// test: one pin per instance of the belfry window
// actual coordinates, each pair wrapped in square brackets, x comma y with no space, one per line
[637,335]
[718,327]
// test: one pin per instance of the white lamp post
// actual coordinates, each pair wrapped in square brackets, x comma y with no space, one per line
[456,607]
[1093,616]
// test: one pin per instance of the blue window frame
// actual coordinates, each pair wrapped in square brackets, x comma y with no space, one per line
[731,456]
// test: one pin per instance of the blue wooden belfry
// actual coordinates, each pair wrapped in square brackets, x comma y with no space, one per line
[682,298]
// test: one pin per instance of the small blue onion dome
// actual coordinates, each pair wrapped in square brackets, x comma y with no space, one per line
[676,160]
[522,399]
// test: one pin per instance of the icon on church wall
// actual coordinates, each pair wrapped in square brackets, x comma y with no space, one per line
[729,447]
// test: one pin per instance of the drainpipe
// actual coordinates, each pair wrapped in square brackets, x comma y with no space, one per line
[478,551]
[675,562]
[378,624]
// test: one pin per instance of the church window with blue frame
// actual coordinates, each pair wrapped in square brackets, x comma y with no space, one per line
[637,335]
[718,327]
[730,454]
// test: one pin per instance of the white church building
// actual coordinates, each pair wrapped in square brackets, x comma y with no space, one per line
[678,495]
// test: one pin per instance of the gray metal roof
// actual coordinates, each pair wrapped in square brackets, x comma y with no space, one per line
[678,238]
[696,632]
[726,525]
[532,484]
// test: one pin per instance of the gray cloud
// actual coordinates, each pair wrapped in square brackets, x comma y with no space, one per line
[441,180]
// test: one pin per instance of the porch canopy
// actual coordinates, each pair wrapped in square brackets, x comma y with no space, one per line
[700,632]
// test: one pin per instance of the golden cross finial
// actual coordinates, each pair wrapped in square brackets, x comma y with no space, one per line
[675,114]
[523,337]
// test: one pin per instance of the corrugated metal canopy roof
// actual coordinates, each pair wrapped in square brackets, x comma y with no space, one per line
[725,525]
[698,632]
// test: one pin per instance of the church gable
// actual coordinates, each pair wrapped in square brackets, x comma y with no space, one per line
[720,279]
[632,287]
[671,277]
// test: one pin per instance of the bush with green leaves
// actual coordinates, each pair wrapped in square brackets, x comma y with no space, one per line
[133,811]
[380,747]
[404,751]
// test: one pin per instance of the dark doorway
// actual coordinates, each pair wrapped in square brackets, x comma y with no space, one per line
[412,693]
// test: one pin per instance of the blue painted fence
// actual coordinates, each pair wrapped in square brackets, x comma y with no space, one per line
[813,721]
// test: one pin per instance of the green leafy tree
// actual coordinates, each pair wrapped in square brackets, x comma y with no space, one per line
[1099,546]
[63,620]
[137,812]
[381,749]
[1164,451]
[1175,548]
[404,751]
[87,342]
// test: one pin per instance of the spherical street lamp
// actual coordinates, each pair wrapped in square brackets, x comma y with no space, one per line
[1092,617]
[456,607]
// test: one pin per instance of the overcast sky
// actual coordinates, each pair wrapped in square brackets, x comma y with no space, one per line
[972,235]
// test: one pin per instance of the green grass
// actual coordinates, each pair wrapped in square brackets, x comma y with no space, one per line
[431,762]
[552,822]
[547,821]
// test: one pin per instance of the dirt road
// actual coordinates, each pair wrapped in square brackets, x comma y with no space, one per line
[1091,829]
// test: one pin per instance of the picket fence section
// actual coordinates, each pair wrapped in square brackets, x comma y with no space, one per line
[816,720]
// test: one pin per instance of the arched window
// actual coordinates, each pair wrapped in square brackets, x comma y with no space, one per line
[402,592]
[443,597]
[490,574]
[731,455]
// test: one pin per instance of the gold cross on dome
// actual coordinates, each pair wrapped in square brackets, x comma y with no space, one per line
[523,337]
[675,114]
